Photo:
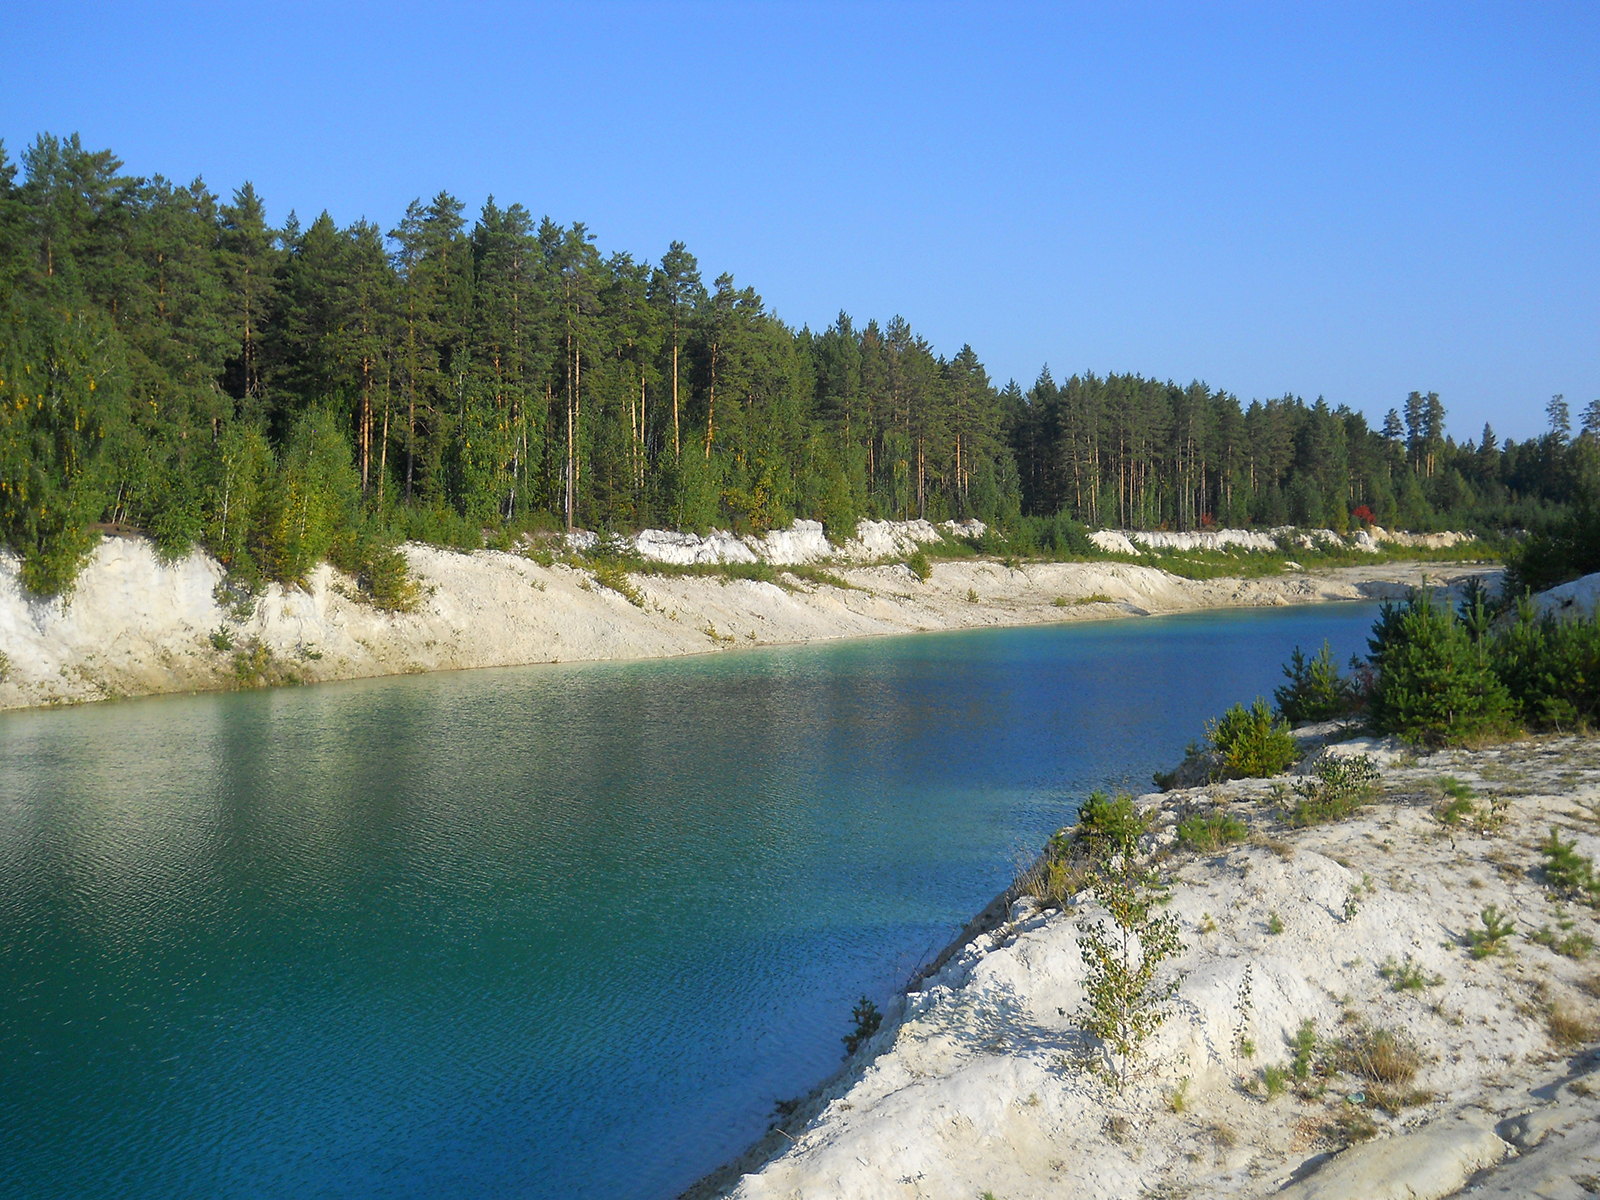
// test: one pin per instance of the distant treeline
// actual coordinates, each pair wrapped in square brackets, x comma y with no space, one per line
[172,363]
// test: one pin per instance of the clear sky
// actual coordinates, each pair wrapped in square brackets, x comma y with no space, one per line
[1346,200]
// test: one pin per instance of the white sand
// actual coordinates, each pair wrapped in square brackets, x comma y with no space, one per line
[136,625]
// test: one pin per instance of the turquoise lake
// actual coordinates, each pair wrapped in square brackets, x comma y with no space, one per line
[548,931]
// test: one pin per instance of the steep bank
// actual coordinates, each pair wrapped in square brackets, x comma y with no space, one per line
[137,625]
[976,1083]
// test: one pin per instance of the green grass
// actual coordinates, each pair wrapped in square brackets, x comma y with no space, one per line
[1208,834]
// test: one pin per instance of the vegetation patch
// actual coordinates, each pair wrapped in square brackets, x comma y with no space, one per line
[1211,833]
[1339,789]
[1315,691]
[1481,943]
[1251,743]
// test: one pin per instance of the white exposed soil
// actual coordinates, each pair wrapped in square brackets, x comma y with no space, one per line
[977,1083]
[136,625]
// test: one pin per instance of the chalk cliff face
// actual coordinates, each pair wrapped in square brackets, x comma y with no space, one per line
[136,624]
[978,1083]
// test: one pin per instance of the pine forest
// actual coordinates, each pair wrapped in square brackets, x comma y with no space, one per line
[172,363]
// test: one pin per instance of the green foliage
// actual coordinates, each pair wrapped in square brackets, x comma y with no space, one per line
[1482,943]
[1208,834]
[385,578]
[253,665]
[1571,546]
[1408,976]
[5,666]
[1567,871]
[1564,943]
[614,578]
[920,566]
[867,1021]
[1435,683]
[1304,1046]
[1123,954]
[222,638]
[1315,691]
[1109,825]
[63,404]
[1274,924]
[1338,790]
[1551,668]
[1250,742]
[1057,875]
[1274,1080]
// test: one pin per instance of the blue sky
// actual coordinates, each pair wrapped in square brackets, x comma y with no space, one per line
[1350,201]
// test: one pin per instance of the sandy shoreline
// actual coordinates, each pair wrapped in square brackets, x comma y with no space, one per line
[974,1086]
[136,625]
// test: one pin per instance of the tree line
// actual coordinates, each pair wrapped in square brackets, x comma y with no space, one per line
[174,363]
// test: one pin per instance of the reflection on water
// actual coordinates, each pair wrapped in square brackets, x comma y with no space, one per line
[556,930]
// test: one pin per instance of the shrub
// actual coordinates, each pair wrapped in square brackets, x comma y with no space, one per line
[1408,976]
[1208,834]
[1496,928]
[1379,1055]
[1567,871]
[1434,683]
[1055,878]
[1304,1046]
[1112,825]
[1550,667]
[1573,945]
[1315,691]
[1571,548]
[867,1020]
[613,578]
[1342,786]
[1250,743]
[1123,954]
[920,566]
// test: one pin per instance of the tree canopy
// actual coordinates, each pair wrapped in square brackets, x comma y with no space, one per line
[173,363]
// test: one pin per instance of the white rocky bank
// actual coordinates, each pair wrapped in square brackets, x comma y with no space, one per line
[136,624]
[974,1086]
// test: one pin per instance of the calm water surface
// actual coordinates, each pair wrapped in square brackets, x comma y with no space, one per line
[547,931]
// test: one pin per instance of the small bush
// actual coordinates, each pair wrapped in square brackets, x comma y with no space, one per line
[1056,876]
[1379,1055]
[1568,945]
[1178,1098]
[1435,684]
[920,566]
[222,638]
[867,1020]
[1567,871]
[614,578]
[1123,953]
[1107,822]
[1315,691]
[1408,976]
[1342,788]
[1250,743]
[1274,923]
[1304,1046]
[1274,1080]
[5,666]
[1484,942]
[1209,834]
[253,665]
[1568,1027]
[385,578]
